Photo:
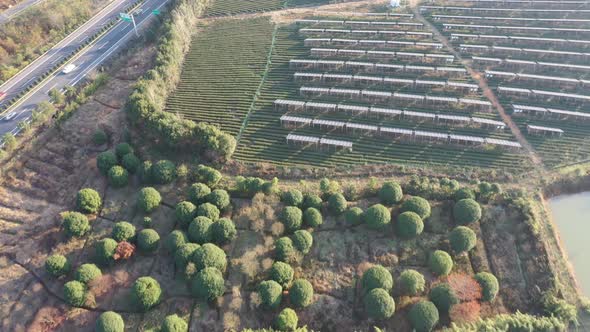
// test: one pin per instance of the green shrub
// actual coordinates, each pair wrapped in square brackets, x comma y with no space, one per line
[184,254]
[411,282]
[207,175]
[163,172]
[105,250]
[312,217]
[75,293]
[463,193]
[409,225]
[390,193]
[379,304]
[118,176]
[145,172]
[148,240]
[301,293]
[208,284]
[423,316]
[337,204]
[223,231]
[220,198]
[110,321]
[377,277]
[147,222]
[281,273]
[173,323]
[418,205]
[462,239]
[377,217]
[489,285]
[353,216]
[99,137]
[443,297]
[131,163]
[149,199]
[87,272]
[284,250]
[292,197]
[302,240]
[466,211]
[210,255]
[199,230]
[312,201]
[88,201]
[122,149]
[286,320]
[175,240]
[106,160]
[146,293]
[198,192]
[291,218]
[208,210]
[440,263]
[123,231]
[75,224]
[271,294]
[185,212]
[57,265]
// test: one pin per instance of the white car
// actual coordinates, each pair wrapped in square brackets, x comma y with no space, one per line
[69,68]
[9,116]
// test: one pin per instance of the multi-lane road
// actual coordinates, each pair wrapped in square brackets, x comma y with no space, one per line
[89,59]
[13,11]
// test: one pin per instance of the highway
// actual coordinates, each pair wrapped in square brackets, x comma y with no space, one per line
[85,62]
[9,13]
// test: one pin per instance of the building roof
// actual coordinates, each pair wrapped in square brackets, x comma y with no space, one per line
[362,126]
[329,123]
[466,138]
[501,142]
[301,138]
[546,129]
[295,119]
[289,102]
[388,111]
[397,131]
[334,142]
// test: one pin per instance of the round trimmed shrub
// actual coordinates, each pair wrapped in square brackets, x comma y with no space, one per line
[282,273]
[75,293]
[379,304]
[199,230]
[411,282]
[147,222]
[123,231]
[291,218]
[377,277]
[173,323]
[443,297]
[286,320]
[87,272]
[198,192]
[337,204]
[210,255]
[99,137]
[118,176]
[489,285]
[377,217]
[105,250]
[467,211]
[353,216]
[292,197]
[390,193]
[175,240]
[57,265]
[284,250]
[271,293]
[148,240]
[185,212]
[423,316]
[208,210]
[440,263]
[223,230]
[208,284]
[163,172]
[463,193]
[183,255]
[122,149]
[131,163]
[149,199]
[88,200]
[220,198]
[146,293]
[418,205]
[312,217]
[312,201]
[462,239]
[106,160]
[409,225]
[75,224]
[301,293]
[302,240]
[144,172]
[110,321]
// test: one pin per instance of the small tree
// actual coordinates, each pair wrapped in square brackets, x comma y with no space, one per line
[409,225]
[199,230]
[353,216]
[208,284]
[377,217]
[110,321]
[198,192]
[99,137]
[282,273]
[301,293]
[377,277]
[146,293]
[148,240]
[173,323]
[291,218]
[302,240]
[149,199]
[118,176]
[223,231]
[463,193]
[466,211]
[379,304]
[312,217]
[292,197]
[88,200]
[489,285]
[87,273]
[106,160]
[123,231]
[57,265]
[284,250]
[423,316]
[207,175]
[122,149]
[105,251]
[75,293]
[443,296]
[163,172]
[312,201]
[440,263]
[220,198]
[209,255]
[462,239]
[124,250]
[131,163]
[418,205]
[337,204]
[183,255]
[175,240]
[75,224]
[391,193]
[270,293]
[411,282]
[287,320]
[185,212]
[208,210]
[9,141]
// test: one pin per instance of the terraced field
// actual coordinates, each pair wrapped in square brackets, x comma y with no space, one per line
[233,7]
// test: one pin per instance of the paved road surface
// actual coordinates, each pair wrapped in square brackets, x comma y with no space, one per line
[10,13]
[88,60]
